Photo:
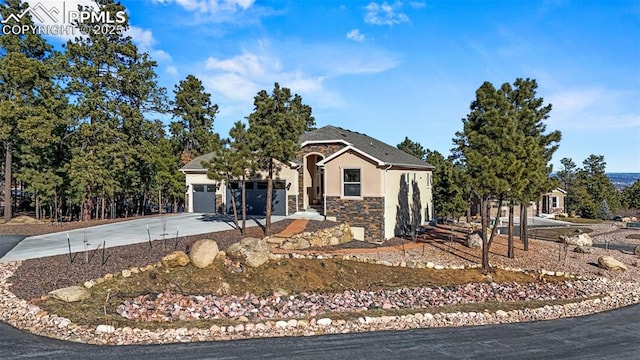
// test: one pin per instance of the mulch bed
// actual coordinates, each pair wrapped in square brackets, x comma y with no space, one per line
[37,277]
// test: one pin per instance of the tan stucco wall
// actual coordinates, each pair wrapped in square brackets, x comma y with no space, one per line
[190,180]
[370,175]
[286,173]
[393,183]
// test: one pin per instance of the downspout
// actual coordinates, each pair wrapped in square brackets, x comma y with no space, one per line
[324,191]
[385,202]
[298,188]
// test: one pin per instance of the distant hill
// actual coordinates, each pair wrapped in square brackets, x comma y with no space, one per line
[623,180]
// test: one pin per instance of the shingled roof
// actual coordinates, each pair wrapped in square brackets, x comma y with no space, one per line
[195,163]
[387,154]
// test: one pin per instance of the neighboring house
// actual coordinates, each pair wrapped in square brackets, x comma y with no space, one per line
[550,203]
[553,202]
[344,175]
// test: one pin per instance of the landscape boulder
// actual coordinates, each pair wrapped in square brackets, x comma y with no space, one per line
[578,240]
[203,252]
[71,294]
[636,250]
[583,250]
[250,251]
[175,259]
[609,263]
[474,241]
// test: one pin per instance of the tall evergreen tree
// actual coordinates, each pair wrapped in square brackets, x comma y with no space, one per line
[567,176]
[275,125]
[413,148]
[111,85]
[25,85]
[449,188]
[506,150]
[631,196]
[530,114]
[593,186]
[194,112]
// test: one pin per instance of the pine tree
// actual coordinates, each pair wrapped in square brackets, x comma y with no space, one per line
[275,125]
[413,148]
[25,85]
[192,132]
[111,86]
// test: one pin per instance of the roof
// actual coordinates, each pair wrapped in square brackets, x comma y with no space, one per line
[195,164]
[376,149]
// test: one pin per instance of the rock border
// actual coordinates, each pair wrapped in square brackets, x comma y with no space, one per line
[21,314]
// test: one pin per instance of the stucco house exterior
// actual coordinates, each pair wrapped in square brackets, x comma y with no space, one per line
[343,175]
[551,202]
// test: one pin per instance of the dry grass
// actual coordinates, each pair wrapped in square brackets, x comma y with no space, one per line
[285,275]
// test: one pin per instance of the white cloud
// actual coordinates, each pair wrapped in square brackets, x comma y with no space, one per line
[355,35]
[385,14]
[171,70]
[144,40]
[595,108]
[211,6]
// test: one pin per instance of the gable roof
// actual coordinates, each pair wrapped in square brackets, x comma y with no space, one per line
[376,150]
[195,164]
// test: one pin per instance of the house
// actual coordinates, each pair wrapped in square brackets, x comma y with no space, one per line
[341,174]
[551,202]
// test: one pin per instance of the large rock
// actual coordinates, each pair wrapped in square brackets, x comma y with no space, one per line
[583,249]
[175,259]
[578,240]
[250,251]
[609,263]
[203,252]
[636,250]
[474,241]
[71,294]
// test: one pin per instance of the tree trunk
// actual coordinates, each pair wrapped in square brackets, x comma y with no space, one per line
[8,159]
[87,205]
[244,205]
[267,220]
[510,252]
[37,200]
[485,242]
[102,207]
[233,205]
[524,236]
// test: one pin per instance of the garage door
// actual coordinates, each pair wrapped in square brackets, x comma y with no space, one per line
[204,198]
[256,193]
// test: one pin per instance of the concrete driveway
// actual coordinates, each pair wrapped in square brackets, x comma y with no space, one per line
[124,233]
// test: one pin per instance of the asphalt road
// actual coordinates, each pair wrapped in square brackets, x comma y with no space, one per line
[8,242]
[610,335]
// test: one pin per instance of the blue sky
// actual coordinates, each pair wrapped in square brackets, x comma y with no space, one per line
[396,69]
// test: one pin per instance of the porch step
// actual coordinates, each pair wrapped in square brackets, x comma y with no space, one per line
[307,214]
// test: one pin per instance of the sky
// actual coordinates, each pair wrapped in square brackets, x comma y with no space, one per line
[396,69]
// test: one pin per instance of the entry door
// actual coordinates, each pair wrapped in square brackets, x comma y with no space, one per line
[204,198]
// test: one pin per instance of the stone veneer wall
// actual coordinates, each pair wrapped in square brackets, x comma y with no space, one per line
[291,204]
[220,208]
[367,213]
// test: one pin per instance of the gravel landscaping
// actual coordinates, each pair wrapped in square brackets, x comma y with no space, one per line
[302,314]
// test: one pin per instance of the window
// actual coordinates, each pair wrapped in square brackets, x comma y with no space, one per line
[351,182]
[554,202]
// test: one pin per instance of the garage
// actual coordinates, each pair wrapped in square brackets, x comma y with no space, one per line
[204,198]
[256,193]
